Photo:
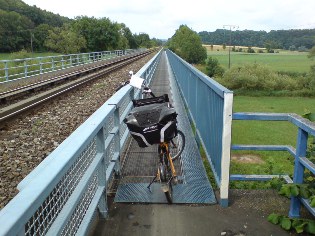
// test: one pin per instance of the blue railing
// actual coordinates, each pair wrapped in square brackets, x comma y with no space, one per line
[209,106]
[305,128]
[64,193]
[12,70]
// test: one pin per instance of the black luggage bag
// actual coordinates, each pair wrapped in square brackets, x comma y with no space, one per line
[152,121]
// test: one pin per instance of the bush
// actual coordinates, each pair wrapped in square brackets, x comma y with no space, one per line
[250,50]
[255,77]
[20,55]
[213,67]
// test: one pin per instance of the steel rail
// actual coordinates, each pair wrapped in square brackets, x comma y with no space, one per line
[29,103]
[64,77]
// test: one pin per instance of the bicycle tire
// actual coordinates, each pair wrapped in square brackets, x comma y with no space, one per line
[169,193]
[177,149]
[162,170]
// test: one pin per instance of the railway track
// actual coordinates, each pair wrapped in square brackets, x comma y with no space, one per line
[55,86]
[28,138]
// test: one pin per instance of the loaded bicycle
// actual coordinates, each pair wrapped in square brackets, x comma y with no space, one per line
[153,120]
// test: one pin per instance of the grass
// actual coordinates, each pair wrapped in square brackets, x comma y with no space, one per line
[8,56]
[283,61]
[266,132]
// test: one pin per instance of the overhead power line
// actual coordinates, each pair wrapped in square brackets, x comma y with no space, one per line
[231,27]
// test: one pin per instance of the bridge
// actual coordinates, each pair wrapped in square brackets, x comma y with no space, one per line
[67,193]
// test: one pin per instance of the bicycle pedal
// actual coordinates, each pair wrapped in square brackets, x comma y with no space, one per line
[165,188]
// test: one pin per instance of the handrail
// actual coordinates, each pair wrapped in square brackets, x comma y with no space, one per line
[62,194]
[209,106]
[305,128]
[17,69]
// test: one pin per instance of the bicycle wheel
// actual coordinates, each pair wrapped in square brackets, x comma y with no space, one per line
[162,171]
[177,145]
[169,193]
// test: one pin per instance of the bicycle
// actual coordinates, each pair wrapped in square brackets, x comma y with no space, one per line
[153,121]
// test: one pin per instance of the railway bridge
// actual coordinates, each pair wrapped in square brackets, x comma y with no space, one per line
[67,193]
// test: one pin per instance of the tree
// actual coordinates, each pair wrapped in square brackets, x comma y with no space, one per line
[14,31]
[311,53]
[250,50]
[213,67]
[126,33]
[100,34]
[280,38]
[187,44]
[40,34]
[143,40]
[65,40]
[311,75]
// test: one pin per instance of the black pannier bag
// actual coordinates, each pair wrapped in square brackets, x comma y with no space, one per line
[151,121]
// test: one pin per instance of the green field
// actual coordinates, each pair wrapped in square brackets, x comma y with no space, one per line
[282,61]
[266,132]
[9,56]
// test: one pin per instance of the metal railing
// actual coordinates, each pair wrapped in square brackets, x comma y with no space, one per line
[209,106]
[305,128]
[12,70]
[67,190]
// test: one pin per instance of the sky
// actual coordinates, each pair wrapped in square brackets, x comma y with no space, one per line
[161,18]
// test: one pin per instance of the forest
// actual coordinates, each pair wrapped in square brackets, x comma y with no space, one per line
[24,27]
[294,39]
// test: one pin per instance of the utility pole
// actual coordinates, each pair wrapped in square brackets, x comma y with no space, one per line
[231,27]
[32,35]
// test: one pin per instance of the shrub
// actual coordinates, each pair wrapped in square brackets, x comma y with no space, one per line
[258,77]
[250,50]
[20,55]
[213,67]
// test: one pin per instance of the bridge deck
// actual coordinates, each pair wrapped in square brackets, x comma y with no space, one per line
[140,164]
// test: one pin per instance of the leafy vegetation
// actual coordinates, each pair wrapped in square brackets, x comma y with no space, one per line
[187,44]
[213,68]
[259,78]
[30,28]
[300,225]
[305,190]
[299,39]
[254,76]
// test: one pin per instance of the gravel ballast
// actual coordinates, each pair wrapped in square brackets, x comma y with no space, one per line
[28,139]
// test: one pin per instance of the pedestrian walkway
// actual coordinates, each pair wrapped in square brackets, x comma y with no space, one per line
[140,165]
[195,212]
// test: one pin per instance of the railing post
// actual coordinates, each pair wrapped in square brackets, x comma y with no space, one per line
[117,140]
[298,174]
[100,148]
[226,149]
[6,71]
[40,66]
[25,69]
[52,64]
[62,63]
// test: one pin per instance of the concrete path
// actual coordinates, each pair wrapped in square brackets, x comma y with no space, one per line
[246,215]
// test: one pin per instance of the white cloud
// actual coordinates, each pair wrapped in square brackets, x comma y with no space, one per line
[160,18]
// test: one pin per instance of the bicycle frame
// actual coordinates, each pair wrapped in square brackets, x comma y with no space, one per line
[165,147]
